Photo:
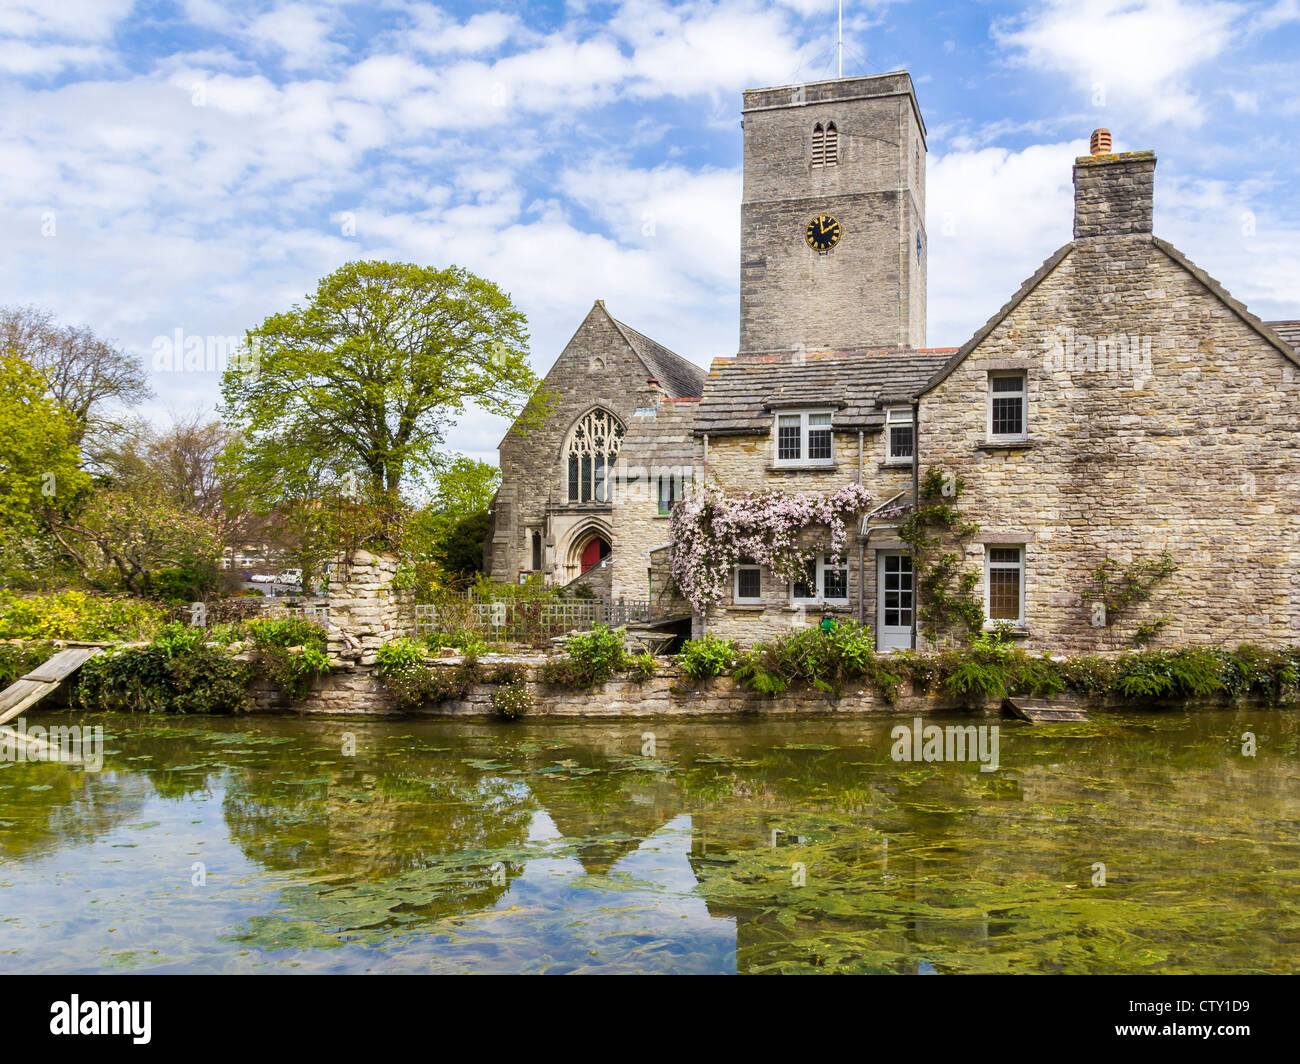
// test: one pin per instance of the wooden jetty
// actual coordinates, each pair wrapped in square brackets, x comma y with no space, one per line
[24,693]
[1044,710]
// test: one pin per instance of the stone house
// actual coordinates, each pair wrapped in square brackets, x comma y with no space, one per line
[1121,405]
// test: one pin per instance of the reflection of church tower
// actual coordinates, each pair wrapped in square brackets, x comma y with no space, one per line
[833,248]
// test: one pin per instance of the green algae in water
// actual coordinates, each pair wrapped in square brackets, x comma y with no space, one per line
[796,846]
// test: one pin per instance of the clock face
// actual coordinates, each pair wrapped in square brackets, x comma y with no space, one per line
[822,233]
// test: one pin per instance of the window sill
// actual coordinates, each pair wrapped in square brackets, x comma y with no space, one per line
[802,467]
[1016,631]
[895,463]
[841,606]
[994,444]
[748,607]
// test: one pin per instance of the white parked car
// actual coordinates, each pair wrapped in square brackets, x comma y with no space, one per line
[262,578]
[290,576]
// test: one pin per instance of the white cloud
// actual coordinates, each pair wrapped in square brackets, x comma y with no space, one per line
[79,20]
[1137,54]
[992,216]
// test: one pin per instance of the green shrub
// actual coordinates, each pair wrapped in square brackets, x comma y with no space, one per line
[591,658]
[176,674]
[512,700]
[285,632]
[400,655]
[642,666]
[290,652]
[18,659]
[707,656]
[79,616]
[827,659]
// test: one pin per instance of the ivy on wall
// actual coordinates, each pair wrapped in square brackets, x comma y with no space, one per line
[1116,591]
[936,531]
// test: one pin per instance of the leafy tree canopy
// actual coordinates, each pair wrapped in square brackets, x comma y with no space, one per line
[371,372]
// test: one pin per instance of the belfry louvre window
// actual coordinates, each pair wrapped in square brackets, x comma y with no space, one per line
[592,450]
[1007,405]
[825,145]
[804,438]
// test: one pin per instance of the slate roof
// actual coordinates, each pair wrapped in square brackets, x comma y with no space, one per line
[741,393]
[664,437]
[675,375]
[1289,331]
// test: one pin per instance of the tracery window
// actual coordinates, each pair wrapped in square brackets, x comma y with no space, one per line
[591,453]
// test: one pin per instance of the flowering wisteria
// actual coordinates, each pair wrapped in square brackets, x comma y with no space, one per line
[715,531]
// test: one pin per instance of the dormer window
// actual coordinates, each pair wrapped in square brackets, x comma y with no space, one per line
[803,437]
[825,145]
[900,441]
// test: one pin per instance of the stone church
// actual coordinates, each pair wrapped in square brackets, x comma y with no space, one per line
[1120,404]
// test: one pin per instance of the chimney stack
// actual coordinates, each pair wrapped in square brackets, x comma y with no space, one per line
[1113,194]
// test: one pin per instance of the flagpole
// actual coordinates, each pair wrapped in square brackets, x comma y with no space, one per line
[840,42]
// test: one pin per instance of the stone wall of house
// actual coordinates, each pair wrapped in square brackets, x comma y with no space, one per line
[365,609]
[869,291]
[659,443]
[358,693]
[745,463]
[596,369]
[1184,436]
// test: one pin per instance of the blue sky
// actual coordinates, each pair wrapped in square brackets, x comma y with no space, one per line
[197,165]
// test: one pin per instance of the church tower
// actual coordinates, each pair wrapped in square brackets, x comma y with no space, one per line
[833,247]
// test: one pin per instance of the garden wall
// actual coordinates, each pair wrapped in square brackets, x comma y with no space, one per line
[358,692]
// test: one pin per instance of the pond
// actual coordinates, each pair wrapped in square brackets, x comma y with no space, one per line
[270,845]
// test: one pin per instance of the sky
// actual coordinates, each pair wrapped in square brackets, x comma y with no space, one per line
[197,165]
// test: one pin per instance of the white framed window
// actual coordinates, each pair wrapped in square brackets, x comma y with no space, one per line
[1004,583]
[803,437]
[749,583]
[823,581]
[900,439]
[1007,405]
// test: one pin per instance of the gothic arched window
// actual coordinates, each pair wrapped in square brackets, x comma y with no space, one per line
[591,452]
[825,145]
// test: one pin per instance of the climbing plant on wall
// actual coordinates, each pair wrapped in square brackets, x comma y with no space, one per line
[1115,591]
[714,531]
[936,532]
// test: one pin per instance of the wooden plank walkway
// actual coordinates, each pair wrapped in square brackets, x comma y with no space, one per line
[24,693]
[1044,710]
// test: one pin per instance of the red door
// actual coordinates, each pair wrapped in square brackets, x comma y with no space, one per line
[592,553]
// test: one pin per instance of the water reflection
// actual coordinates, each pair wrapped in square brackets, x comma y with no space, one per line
[258,844]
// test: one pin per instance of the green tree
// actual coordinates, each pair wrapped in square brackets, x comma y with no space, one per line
[371,372]
[462,550]
[39,459]
[448,533]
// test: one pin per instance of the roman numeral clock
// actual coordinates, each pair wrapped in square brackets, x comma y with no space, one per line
[822,233]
